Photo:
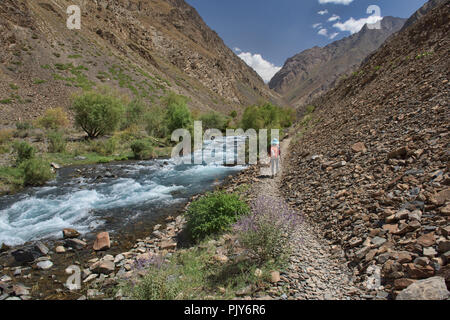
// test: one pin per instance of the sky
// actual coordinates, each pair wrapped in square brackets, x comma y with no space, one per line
[265,33]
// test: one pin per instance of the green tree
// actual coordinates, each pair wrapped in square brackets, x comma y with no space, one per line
[178,115]
[97,113]
[214,120]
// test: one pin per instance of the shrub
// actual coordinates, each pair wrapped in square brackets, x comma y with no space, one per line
[24,151]
[156,124]
[269,230]
[36,172]
[214,120]
[214,213]
[6,135]
[178,115]
[23,126]
[57,142]
[141,149]
[233,114]
[105,147]
[54,118]
[97,113]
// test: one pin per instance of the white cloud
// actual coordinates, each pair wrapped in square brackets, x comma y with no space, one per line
[353,26]
[323,32]
[265,69]
[317,25]
[237,49]
[334,17]
[344,2]
[323,12]
[333,35]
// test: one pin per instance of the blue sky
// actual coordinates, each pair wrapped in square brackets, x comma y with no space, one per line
[267,32]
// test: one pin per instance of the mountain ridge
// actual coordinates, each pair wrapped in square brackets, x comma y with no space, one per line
[313,71]
[142,48]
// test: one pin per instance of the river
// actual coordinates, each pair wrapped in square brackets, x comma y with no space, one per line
[111,197]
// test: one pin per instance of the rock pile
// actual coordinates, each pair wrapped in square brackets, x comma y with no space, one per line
[373,171]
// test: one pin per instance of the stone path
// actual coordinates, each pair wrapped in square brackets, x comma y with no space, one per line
[317,270]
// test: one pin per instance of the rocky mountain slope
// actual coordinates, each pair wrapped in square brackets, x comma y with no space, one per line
[144,48]
[313,71]
[373,168]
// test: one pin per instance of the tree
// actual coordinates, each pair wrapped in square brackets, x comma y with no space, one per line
[178,115]
[97,113]
[214,120]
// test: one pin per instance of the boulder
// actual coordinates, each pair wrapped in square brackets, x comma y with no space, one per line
[75,243]
[102,242]
[427,240]
[70,233]
[428,289]
[105,267]
[41,247]
[166,245]
[359,147]
[44,265]
[60,249]
[275,277]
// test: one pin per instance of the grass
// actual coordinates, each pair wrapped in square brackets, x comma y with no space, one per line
[11,176]
[194,274]
[6,101]
[39,81]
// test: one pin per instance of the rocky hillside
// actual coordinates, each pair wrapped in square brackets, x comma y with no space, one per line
[144,48]
[312,72]
[373,168]
[422,11]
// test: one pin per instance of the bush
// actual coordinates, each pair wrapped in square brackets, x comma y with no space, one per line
[105,147]
[158,284]
[36,172]
[269,230]
[23,126]
[178,115]
[214,120]
[55,118]
[233,114]
[24,151]
[97,113]
[156,124]
[57,142]
[141,149]
[214,213]
[6,135]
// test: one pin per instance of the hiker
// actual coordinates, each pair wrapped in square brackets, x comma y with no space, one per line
[275,154]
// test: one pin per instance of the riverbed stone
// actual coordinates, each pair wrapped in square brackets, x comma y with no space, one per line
[60,249]
[102,242]
[44,265]
[75,243]
[105,267]
[70,233]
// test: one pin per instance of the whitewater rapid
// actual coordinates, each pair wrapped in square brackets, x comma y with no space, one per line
[124,193]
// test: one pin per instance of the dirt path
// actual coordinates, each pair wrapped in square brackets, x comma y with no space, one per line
[316,271]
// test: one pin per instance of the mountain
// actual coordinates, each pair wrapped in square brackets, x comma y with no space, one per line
[371,164]
[143,48]
[431,4]
[313,71]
